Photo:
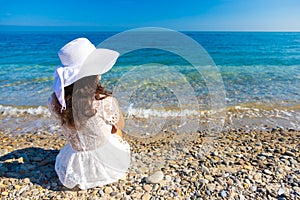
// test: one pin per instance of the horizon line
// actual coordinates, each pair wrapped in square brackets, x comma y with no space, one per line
[58,28]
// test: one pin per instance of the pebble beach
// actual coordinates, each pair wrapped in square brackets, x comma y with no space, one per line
[242,164]
[253,153]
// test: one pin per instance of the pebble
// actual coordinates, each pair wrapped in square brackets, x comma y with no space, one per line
[209,178]
[203,181]
[242,197]
[230,181]
[205,170]
[26,180]
[201,158]
[156,186]
[108,190]
[101,193]
[293,162]
[253,188]
[4,193]
[177,180]
[268,172]
[146,196]
[168,178]
[257,176]
[280,191]
[223,193]
[17,187]
[289,153]
[248,167]
[22,190]
[156,177]
[262,157]
[211,187]
[266,154]
[147,187]
[113,194]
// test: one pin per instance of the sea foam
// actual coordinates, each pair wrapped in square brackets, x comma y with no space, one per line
[17,111]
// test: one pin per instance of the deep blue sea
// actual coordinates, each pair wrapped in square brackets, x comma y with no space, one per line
[257,68]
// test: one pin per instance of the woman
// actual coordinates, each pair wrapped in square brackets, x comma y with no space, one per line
[90,117]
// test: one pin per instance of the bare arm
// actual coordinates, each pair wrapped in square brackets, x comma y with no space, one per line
[120,124]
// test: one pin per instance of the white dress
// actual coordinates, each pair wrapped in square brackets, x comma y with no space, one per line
[93,156]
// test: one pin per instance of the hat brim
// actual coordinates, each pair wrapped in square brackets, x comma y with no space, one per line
[98,62]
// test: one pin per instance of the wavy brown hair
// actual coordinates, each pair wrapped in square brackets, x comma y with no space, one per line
[79,98]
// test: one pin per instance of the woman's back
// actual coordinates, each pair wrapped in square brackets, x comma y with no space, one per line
[94,156]
[96,129]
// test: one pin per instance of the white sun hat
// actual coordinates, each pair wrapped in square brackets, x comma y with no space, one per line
[80,58]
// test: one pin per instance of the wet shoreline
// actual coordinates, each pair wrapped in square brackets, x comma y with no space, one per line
[250,116]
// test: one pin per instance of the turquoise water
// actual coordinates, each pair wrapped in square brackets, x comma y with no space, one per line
[255,67]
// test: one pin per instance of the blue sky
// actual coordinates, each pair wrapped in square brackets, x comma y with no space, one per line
[235,15]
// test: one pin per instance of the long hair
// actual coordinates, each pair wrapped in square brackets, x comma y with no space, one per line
[79,98]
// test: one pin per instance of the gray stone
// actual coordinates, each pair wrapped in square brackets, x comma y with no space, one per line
[113,194]
[177,180]
[101,193]
[223,193]
[280,191]
[156,177]
[253,188]
[293,161]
